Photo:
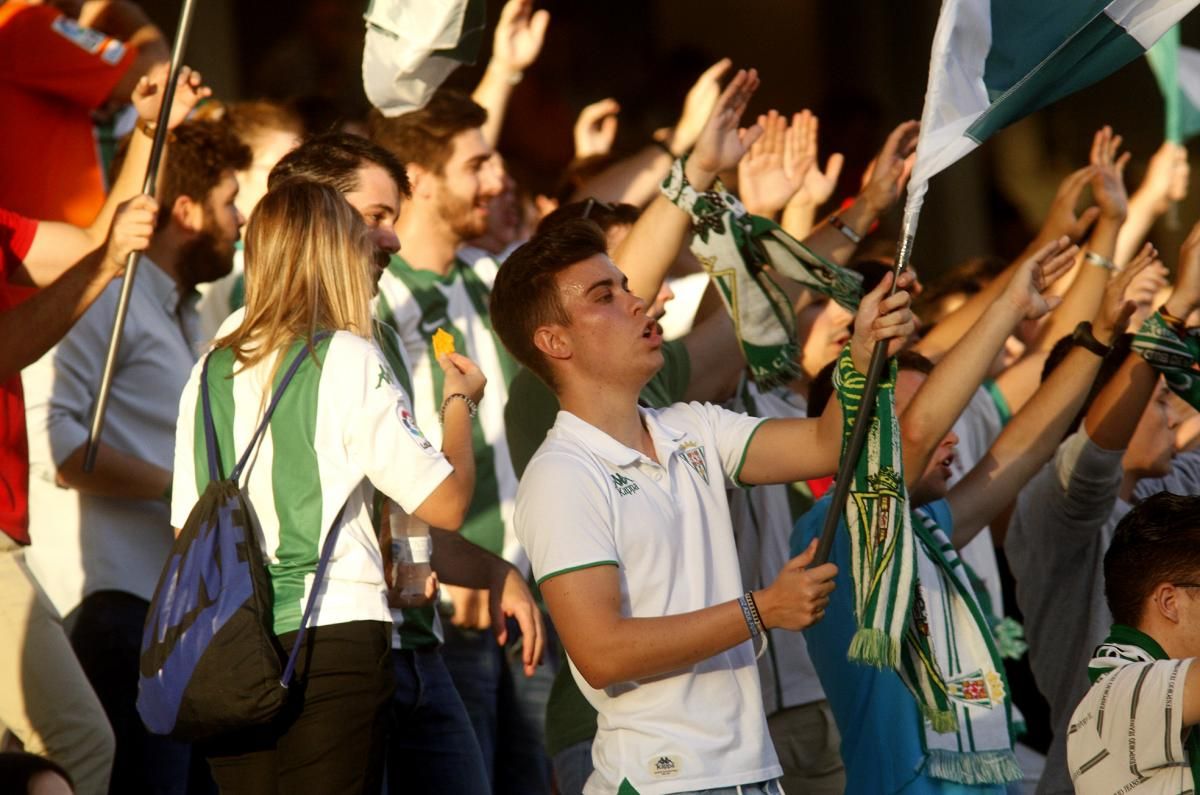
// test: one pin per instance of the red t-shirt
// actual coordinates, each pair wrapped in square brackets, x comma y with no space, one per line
[16,235]
[53,74]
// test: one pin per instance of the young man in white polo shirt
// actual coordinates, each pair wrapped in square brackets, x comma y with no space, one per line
[623,513]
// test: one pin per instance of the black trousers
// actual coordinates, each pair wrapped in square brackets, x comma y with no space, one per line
[329,738]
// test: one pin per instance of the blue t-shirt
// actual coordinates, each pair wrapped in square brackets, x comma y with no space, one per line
[878,718]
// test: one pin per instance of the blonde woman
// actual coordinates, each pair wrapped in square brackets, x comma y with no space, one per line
[341,430]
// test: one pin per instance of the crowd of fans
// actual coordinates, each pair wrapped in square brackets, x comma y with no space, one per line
[606,423]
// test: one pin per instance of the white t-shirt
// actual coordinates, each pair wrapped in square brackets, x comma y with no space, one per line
[1127,734]
[587,500]
[338,429]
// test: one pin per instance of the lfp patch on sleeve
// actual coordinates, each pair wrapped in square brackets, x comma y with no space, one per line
[410,424]
[114,51]
[84,38]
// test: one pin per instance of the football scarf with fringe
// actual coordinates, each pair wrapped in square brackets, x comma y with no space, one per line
[733,246]
[1172,352]
[916,609]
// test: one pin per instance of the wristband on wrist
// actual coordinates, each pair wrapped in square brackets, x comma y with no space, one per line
[1084,338]
[472,406]
[1177,323]
[1100,261]
[837,223]
[750,614]
[147,128]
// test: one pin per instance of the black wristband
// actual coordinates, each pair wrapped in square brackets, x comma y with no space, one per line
[1084,338]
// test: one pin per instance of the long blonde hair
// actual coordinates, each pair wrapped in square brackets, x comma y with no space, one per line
[309,267]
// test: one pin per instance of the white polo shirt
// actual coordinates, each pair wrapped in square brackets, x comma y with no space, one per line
[587,500]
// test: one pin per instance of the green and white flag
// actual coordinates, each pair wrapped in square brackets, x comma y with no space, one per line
[997,61]
[412,46]
[1177,70]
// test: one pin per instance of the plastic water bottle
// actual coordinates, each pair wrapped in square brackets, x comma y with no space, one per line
[411,549]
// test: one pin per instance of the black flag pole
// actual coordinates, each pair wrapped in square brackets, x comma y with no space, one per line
[131,264]
[862,423]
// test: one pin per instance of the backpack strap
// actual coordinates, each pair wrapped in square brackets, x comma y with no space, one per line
[266,420]
[210,431]
[326,554]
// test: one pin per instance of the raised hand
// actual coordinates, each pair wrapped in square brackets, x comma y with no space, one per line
[1108,175]
[520,33]
[1112,317]
[1166,178]
[798,597]
[1062,219]
[883,317]
[722,143]
[1026,290]
[889,171]
[768,176]
[697,107]
[1185,298]
[801,147]
[132,228]
[596,128]
[147,94]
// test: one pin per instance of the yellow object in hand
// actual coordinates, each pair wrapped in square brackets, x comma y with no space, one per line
[443,343]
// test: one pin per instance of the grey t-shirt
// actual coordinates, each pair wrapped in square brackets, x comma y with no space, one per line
[1056,541]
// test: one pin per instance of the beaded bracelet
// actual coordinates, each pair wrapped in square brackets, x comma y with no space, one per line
[472,406]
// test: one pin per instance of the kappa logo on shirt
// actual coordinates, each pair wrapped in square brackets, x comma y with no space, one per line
[625,486]
[665,765]
[384,377]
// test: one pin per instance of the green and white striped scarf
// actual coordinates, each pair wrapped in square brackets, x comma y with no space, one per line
[917,612]
[733,246]
[1172,353]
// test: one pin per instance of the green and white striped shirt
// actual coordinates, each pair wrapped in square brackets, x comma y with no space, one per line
[341,426]
[417,303]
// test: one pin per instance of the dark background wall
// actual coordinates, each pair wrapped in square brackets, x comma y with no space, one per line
[861,65]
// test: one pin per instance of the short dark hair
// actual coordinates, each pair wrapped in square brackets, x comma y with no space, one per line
[17,768]
[334,159]
[821,388]
[603,214]
[425,136]
[199,154]
[1156,542]
[525,295]
[1108,368]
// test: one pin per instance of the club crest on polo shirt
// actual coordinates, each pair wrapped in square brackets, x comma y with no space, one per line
[692,454]
[665,765]
[410,424]
[625,486]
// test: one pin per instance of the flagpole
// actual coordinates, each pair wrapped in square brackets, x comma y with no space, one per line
[862,423]
[131,264]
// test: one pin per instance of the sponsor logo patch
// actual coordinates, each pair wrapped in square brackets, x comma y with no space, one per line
[114,51]
[84,38]
[410,425]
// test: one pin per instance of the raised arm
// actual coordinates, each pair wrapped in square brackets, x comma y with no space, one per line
[1166,181]
[768,176]
[596,129]
[654,241]
[788,450]
[885,180]
[57,245]
[1033,435]
[945,393]
[34,326]
[516,44]
[800,212]
[634,180]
